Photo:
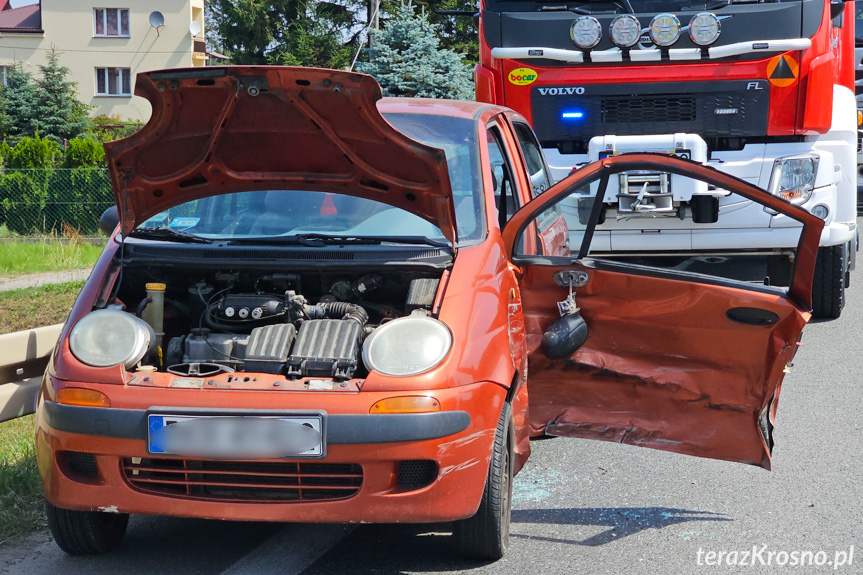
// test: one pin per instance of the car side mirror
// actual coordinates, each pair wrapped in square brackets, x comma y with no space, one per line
[109,221]
[564,336]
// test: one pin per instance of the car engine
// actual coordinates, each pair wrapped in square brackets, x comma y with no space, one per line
[228,323]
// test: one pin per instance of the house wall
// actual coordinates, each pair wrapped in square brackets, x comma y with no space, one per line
[69,26]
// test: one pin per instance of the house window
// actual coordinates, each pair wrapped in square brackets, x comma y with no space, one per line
[111,22]
[113,82]
[4,72]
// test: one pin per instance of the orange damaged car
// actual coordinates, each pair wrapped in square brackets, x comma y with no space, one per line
[318,305]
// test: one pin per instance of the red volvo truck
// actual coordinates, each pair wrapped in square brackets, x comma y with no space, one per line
[760,90]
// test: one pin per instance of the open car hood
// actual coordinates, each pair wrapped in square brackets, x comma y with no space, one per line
[230,129]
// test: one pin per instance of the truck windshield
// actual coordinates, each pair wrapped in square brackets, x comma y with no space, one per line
[858,24]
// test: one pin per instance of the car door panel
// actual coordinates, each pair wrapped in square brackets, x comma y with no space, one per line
[663,366]
[674,361]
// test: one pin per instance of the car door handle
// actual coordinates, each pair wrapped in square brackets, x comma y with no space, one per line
[752,316]
[567,278]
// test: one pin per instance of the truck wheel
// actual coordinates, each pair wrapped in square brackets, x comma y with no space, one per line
[86,532]
[828,285]
[485,536]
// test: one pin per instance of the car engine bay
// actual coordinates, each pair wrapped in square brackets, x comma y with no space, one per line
[298,325]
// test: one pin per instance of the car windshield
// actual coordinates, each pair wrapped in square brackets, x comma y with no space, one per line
[270,214]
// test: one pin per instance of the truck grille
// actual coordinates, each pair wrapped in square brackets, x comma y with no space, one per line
[244,480]
[730,108]
[649,109]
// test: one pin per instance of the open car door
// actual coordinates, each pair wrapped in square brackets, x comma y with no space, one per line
[673,360]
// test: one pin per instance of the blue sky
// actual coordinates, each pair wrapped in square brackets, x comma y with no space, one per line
[17,3]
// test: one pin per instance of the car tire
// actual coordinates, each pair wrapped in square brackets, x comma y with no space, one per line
[828,285]
[485,536]
[86,532]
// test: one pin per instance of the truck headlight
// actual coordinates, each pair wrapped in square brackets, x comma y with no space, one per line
[586,32]
[664,29]
[625,30]
[704,28]
[793,178]
[407,346]
[108,337]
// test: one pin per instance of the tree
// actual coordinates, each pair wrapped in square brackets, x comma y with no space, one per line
[34,154]
[20,99]
[314,43]
[249,28]
[59,114]
[78,193]
[83,153]
[407,60]
[295,32]
[24,189]
[458,33]
[109,128]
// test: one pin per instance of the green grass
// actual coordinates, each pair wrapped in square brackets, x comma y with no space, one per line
[21,501]
[35,307]
[48,255]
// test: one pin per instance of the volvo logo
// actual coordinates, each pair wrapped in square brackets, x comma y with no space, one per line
[567,91]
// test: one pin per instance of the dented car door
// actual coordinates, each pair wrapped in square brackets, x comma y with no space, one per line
[673,360]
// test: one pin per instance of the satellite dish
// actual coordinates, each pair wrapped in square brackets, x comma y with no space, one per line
[157,20]
[195,28]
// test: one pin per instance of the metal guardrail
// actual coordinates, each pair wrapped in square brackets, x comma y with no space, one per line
[23,358]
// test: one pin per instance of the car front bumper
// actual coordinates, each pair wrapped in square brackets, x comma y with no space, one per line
[457,440]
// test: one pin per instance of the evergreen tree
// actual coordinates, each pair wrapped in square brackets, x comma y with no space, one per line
[81,189]
[212,17]
[5,119]
[59,114]
[314,43]
[249,28]
[20,96]
[294,32]
[24,189]
[83,153]
[407,60]
[458,33]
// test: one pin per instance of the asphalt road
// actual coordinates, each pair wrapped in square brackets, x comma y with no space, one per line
[580,507]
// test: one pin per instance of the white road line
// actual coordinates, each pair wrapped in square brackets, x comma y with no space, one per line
[291,550]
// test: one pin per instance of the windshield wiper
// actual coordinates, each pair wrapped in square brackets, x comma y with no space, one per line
[168,235]
[320,240]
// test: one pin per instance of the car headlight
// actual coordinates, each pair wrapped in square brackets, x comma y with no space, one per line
[108,337]
[793,178]
[407,346]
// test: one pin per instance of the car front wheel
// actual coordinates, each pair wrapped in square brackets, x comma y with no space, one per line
[86,532]
[486,535]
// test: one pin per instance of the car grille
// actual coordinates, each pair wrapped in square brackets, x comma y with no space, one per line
[244,480]
[417,473]
[83,463]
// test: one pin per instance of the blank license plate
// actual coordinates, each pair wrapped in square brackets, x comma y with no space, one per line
[236,437]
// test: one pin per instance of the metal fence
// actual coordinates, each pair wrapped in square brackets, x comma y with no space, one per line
[52,202]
